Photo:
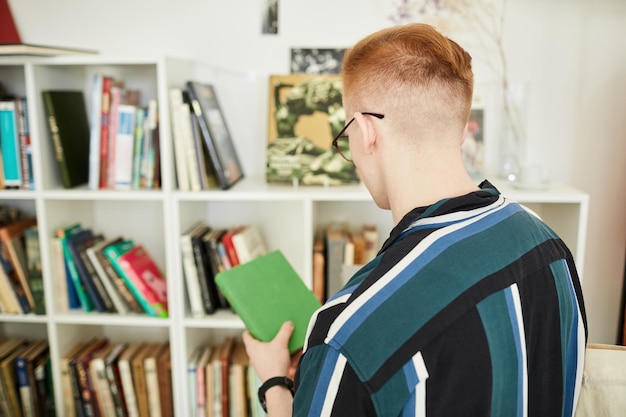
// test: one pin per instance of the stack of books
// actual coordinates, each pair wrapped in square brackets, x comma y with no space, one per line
[206,251]
[340,250]
[115,146]
[106,275]
[16,171]
[101,377]
[21,279]
[26,387]
[221,382]
[205,155]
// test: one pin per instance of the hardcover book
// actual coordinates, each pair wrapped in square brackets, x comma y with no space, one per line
[14,251]
[68,126]
[266,292]
[141,275]
[10,144]
[305,114]
[216,133]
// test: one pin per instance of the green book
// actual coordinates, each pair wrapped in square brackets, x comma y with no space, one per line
[266,292]
[68,127]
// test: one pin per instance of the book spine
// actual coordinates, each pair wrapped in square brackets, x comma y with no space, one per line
[84,278]
[10,144]
[152,387]
[191,159]
[11,303]
[116,96]
[24,143]
[72,272]
[116,298]
[93,277]
[128,386]
[182,170]
[139,379]
[113,378]
[119,283]
[124,145]
[56,138]
[25,387]
[95,131]
[138,142]
[207,284]
[86,390]
[191,277]
[101,386]
[164,370]
[104,131]
[33,263]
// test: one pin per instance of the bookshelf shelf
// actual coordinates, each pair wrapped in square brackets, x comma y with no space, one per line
[288,215]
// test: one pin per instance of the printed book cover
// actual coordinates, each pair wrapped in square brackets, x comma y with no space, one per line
[305,114]
[266,292]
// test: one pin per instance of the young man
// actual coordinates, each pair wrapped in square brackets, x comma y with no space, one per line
[473,305]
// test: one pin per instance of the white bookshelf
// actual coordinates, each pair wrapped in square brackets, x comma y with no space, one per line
[288,216]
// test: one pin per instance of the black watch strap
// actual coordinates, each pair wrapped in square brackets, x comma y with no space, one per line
[272,382]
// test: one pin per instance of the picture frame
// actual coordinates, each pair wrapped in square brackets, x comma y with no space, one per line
[305,113]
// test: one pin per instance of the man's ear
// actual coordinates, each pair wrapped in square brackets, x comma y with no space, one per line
[369,132]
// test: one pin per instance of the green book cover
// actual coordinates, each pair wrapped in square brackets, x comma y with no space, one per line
[266,292]
[68,127]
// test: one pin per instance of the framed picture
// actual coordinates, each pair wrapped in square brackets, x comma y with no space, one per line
[316,60]
[221,149]
[305,113]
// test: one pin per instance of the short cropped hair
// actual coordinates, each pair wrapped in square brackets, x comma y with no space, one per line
[402,59]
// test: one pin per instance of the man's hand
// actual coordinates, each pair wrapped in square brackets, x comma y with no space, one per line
[270,359]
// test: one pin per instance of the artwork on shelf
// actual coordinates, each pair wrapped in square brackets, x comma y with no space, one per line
[316,60]
[305,113]
[473,148]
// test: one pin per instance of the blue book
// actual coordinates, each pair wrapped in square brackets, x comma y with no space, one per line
[10,144]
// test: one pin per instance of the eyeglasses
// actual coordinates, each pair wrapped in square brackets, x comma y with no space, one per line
[344,147]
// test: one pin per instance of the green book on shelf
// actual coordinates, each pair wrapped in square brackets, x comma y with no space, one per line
[266,292]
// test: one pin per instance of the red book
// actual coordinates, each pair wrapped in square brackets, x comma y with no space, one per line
[227,240]
[104,129]
[144,274]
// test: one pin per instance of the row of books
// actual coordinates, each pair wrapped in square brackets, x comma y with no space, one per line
[339,250]
[115,146]
[221,382]
[21,279]
[106,275]
[26,387]
[204,153]
[117,379]
[206,251]
[16,171]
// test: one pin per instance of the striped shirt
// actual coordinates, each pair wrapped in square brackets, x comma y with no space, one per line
[472,307]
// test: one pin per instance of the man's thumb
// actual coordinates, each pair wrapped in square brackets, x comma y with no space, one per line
[285,331]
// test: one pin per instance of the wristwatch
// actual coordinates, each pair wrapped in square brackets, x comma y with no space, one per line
[272,382]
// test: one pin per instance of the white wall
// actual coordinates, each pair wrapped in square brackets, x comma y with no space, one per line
[570,52]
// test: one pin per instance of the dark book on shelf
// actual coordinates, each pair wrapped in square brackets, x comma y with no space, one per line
[207,279]
[91,283]
[25,376]
[266,292]
[68,127]
[216,134]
